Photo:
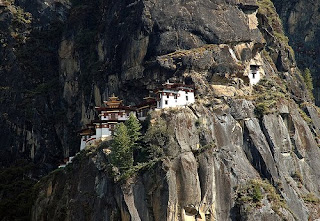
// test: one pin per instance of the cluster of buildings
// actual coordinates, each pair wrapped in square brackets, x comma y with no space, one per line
[114,111]
[169,95]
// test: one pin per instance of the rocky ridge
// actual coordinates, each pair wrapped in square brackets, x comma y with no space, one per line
[240,153]
[205,173]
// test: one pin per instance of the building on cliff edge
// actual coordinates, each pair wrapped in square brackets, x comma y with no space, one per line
[114,112]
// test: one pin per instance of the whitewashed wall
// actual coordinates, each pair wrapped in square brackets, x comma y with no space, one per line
[183,98]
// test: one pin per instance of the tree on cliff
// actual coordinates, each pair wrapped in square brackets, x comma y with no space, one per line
[121,155]
[134,127]
[125,139]
[308,79]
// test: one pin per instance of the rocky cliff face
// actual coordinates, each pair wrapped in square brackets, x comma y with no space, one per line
[32,111]
[215,158]
[240,153]
[300,19]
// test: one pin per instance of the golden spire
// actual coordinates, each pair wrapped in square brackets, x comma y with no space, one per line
[113,102]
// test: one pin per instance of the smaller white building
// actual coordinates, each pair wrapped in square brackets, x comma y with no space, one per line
[174,95]
[254,74]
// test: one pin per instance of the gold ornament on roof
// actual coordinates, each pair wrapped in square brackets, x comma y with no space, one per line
[113,102]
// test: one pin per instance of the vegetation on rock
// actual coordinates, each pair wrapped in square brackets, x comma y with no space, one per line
[311,198]
[133,127]
[267,94]
[251,195]
[121,152]
[308,80]
[267,9]
[157,137]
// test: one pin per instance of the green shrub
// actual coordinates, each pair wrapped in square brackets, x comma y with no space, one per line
[21,18]
[252,194]
[308,80]
[156,138]
[266,95]
[264,108]
[311,198]
[297,177]
[266,7]
[305,117]
[257,194]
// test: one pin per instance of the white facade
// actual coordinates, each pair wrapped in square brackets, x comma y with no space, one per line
[106,132]
[98,132]
[82,144]
[254,74]
[87,140]
[175,98]
[254,70]
[115,116]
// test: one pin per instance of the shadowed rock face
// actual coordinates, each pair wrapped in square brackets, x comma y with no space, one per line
[232,136]
[300,19]
[74,57]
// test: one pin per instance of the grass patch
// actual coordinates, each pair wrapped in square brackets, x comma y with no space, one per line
[266,55]
[311,198]
[266,7]
[252,194]
[297,177]
[266,95]
[305,117]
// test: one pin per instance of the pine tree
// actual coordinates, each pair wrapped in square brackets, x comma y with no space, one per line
[134,128]
[308,79]
[121,154]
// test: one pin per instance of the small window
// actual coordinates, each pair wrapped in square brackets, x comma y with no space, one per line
[165,102]
[254,67]
[168,96]
[175,96]
[187,98]
[186,92]
[254,75]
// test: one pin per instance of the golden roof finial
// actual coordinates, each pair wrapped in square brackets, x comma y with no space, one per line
[113,102]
